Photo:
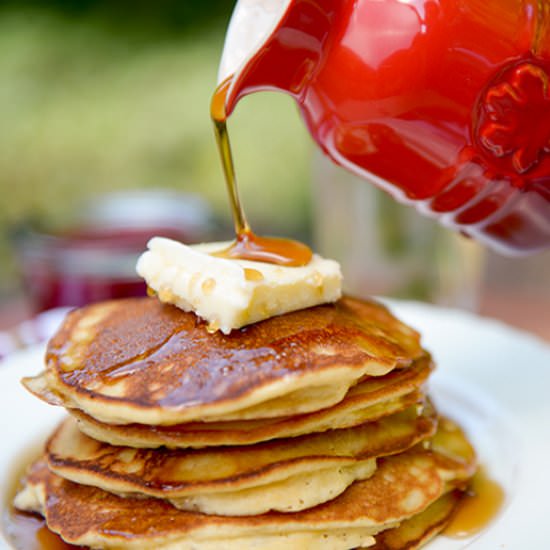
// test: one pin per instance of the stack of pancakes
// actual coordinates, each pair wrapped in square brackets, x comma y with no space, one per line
[310,430]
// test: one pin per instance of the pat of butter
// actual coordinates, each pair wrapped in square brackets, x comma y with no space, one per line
[231,293]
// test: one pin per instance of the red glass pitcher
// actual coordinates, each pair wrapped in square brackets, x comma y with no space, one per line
[443,103]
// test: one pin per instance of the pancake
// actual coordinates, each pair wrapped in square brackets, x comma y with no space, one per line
[140,361]
[285,475]
[367,401]
[202,434]
[418,530]
[403,486]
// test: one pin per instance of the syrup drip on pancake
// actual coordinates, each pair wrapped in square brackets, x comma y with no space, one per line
[138,342]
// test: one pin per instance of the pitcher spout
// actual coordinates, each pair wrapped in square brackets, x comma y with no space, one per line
[273,45]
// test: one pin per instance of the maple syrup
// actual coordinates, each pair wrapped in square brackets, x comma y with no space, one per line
[478,508]
[29,532]
[247,245]
[23,530]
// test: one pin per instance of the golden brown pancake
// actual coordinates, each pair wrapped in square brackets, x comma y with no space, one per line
[140,361]
[206,434]
[403,486]
[365,402]
[286,474]
[418,530]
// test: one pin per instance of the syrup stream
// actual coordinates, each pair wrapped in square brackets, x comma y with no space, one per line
[247,245]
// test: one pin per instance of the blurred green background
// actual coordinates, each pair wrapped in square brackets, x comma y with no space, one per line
[97,96]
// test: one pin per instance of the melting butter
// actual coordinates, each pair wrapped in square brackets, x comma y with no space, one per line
[232,293]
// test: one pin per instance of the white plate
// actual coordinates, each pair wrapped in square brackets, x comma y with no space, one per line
[494,380]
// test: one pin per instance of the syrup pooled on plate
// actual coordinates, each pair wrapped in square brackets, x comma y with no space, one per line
[27,531]
[479,506]
[247,245]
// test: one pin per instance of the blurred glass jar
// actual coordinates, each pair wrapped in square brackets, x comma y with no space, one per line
[93,256]
[388,249]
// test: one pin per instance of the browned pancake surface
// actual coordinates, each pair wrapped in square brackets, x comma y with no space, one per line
[167,473]
[403,485]
[166,358]
[368,401]
[418,530]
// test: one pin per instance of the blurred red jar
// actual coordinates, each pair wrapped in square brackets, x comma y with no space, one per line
[93,258]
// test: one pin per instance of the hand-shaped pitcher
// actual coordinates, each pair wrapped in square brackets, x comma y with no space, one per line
[443,103]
